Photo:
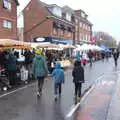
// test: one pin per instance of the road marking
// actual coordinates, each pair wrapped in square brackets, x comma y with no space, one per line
[75,107]
[19,89]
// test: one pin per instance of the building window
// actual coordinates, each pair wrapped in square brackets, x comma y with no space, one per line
[64,15]
[54,31]
[76,28]
[82,14]
[62,32]
[83,26]
[89,28]
[7,4]
[80,24]
[69,34]
[73,18]
[7,24]
[86,37]
[76,36]
[86,27]
[76,21]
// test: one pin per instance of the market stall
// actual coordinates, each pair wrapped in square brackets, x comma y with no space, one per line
[7,45]
[54,52]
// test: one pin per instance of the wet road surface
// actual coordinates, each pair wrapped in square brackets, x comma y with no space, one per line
[97,104]
[24,104]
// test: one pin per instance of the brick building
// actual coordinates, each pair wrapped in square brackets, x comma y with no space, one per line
[83,27]
[52,21]
[43,20]
[8,19]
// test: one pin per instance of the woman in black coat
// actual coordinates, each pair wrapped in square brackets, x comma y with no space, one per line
[78,78]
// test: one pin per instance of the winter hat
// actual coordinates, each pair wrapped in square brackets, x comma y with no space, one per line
[38,52]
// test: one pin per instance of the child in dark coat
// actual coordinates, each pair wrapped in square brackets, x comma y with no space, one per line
[78,78]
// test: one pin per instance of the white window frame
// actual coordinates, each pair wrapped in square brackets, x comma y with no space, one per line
[81,24]
[7,24]
[7,4]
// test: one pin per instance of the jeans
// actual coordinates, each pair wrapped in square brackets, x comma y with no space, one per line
[57,86]
[78,87]
[40,83]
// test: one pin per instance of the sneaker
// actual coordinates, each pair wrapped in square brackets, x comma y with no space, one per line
[55,97]
[38,94]
[78,99]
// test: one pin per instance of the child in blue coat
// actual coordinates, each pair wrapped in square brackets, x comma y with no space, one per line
[58,76]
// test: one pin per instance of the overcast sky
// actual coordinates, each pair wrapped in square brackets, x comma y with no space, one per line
[104,14]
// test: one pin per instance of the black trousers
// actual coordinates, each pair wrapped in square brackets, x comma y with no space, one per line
[40,83]
[57,86]
[78,87]
[12,77]
[115,61]
[90,61]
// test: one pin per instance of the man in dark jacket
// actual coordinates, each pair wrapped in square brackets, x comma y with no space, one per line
[115,56]
[90,56]
[78,78]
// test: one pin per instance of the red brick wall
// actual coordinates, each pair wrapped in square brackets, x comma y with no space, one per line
[35,22]
[34,13]
[65,34]
[11,15]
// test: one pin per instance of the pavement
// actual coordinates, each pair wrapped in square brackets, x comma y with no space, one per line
[100,102]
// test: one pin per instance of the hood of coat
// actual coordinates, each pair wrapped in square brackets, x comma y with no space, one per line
[58,65]
[39,57]
[77,63]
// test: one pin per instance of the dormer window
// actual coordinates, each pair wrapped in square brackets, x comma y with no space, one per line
[82,14]
[57,11]
[73,18]
[64,15]
[7,4]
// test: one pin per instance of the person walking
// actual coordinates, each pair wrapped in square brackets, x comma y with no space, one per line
[40,70]
[58,77]
[115,56]
[12,68]
[90,56]
[78,78]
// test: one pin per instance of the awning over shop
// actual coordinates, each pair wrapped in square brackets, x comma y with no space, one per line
[10,43]
[103,47]
[43,45]
[53,40]
[86,47]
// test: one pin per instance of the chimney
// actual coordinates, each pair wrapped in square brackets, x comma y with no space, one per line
[78,12]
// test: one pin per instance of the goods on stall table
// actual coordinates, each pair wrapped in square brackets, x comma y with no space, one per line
[65,63]
[24,74]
